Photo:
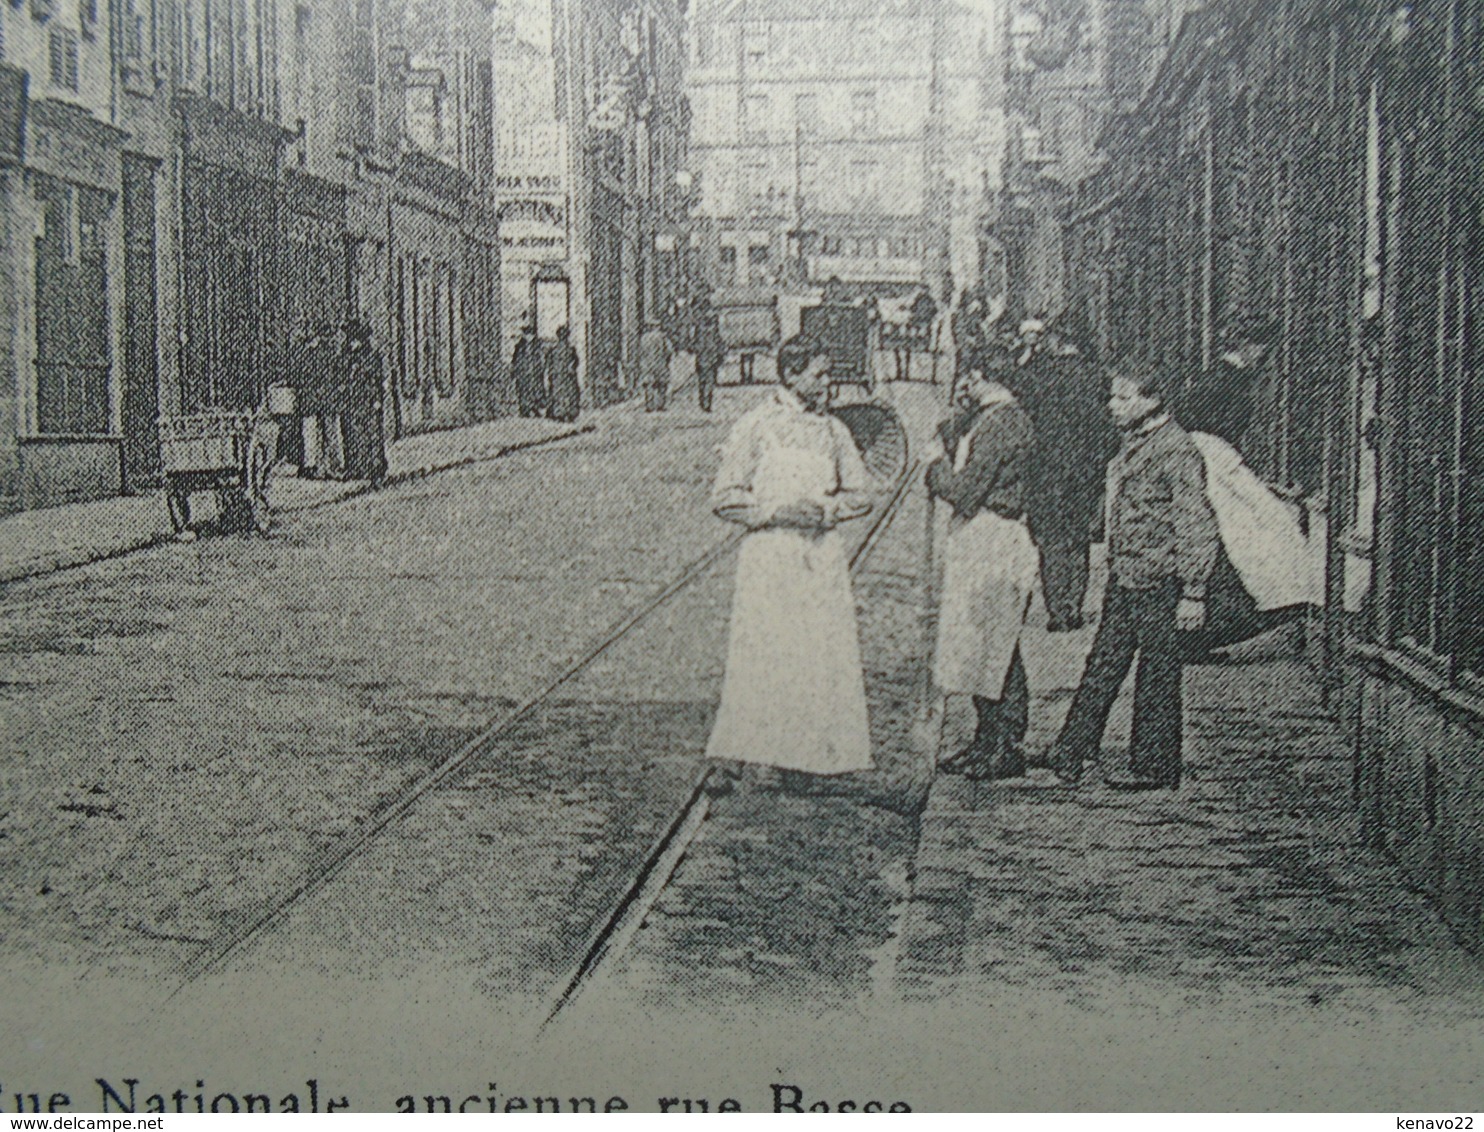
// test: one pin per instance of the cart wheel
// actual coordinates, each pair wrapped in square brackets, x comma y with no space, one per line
[178,503]
[262,514]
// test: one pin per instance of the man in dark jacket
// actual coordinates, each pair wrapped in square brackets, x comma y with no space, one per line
[1162,545]
[362,397]
[528,369]
[709,351]
[561,377]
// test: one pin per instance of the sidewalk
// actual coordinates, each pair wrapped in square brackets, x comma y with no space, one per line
[57,538]
[1249,885]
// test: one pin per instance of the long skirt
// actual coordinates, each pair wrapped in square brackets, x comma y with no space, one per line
[794,696]
[990,566]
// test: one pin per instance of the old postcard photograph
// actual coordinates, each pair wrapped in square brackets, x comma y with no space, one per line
[741,555]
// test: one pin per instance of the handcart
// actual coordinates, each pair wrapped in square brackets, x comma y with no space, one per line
[229,452]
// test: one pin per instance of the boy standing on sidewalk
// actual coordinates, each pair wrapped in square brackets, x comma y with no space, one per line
[1162,545]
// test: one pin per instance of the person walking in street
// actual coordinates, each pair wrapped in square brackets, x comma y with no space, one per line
[561,378]
[528,369]
[990,565]
[794,694]
[1162,545]
[654,367]
[709,351]
[362,399]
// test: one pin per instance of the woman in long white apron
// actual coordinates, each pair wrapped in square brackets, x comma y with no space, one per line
[990,566]
[794,695]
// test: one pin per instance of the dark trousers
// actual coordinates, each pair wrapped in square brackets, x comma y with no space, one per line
[654,397]
[1138,622]
[1064,578]
[705,386]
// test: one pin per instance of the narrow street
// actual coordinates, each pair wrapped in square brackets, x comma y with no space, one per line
[195,726]
[195,732]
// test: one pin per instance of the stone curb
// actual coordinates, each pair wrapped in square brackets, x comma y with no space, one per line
[160,538]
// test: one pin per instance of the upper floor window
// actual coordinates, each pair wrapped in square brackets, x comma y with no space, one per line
[755,117]
[806,115]
[63,58]
[863,117]
[755,41]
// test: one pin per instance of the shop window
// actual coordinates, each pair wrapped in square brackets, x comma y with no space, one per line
[758,259]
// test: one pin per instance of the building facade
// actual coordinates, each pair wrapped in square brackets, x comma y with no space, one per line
[191,185]
[1316,168]
[854,141]
[593,175]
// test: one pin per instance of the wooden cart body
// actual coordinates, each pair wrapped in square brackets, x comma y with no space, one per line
[209,451]
[846,330]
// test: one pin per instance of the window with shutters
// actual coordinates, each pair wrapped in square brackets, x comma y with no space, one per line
[63,58]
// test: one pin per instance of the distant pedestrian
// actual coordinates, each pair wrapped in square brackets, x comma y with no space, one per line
[313,373]
[1162,546]
[794,694]
[967,326]
[528,369]
[989,572]
[561,377]
[654,367]
[362,400]
[709,351]
[918,330]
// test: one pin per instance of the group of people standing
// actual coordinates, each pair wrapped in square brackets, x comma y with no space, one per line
[545,375]
[1048,453]
[1043,452]
[337,377]
[694,328]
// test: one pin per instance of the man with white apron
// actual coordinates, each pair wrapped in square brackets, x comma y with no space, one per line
[989,573]
[794,696]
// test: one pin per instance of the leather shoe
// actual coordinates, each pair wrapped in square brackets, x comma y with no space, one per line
[972,760]
[1067,769]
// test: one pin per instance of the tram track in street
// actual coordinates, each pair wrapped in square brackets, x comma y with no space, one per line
[669,848]
[611,940]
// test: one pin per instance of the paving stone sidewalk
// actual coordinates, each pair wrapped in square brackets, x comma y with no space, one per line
[55,538]
[1249,884]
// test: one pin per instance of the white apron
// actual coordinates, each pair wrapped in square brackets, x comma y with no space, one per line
[1260,532]
[794,696]
[990,567]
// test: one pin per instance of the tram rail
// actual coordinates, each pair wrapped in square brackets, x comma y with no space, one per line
[655,869]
